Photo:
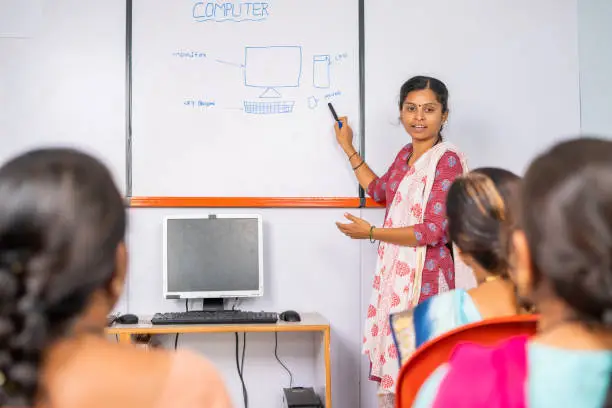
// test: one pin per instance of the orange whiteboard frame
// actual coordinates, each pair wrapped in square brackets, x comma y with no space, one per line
[250,202]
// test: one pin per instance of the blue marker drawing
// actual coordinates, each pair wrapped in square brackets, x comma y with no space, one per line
[313,102]
[230,11]
[332,94]
[267,108]
[193,103]
[340,57]
[272,68]
[230,63]
[189,54]
[320,71]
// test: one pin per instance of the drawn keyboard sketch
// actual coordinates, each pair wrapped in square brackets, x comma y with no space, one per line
[263,108]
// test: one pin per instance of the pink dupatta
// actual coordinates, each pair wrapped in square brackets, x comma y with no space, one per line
[486,377]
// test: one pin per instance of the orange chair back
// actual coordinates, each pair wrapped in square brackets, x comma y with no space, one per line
[437,351]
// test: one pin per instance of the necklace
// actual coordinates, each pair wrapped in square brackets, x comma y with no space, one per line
[489,279]
[410,154]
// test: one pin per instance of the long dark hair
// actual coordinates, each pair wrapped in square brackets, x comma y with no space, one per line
[567,219]
[477,205]
[61,221]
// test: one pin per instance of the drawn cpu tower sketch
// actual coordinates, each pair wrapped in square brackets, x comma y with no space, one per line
[320,71]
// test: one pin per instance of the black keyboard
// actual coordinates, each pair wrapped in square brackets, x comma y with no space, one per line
[215,317]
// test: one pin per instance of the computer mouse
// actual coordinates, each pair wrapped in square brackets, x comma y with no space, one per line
[290,316]
[127,318]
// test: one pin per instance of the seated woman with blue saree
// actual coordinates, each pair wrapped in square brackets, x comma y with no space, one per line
[478,204]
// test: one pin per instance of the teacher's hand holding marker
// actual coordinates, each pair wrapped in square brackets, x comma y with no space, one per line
[358,228]
[344,136]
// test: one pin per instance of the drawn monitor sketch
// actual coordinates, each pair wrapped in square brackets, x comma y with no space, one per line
[272,68]
[320,71]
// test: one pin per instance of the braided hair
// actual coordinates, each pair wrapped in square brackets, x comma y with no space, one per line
[61,221]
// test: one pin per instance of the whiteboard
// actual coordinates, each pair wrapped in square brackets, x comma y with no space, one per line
[20,18]
[62,79]
[230,97]
[511,67]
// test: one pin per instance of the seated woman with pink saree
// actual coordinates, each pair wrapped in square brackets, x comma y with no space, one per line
[562,263]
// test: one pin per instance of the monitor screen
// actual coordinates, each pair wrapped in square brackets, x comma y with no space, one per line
[273,67]
[213,257]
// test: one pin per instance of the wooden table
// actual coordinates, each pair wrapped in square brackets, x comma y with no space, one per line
[311,322]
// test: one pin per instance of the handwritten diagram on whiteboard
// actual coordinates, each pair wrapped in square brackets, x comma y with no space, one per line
[272,68]
[222,76]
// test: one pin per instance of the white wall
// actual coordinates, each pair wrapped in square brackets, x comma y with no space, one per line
[511,67]
[66,85]
[595,45]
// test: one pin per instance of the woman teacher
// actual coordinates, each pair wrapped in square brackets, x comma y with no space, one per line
[414,261]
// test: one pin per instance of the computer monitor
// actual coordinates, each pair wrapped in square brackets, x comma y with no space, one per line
[213,256]
[273,67]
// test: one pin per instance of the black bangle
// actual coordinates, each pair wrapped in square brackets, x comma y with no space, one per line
[359,165]
[351,156]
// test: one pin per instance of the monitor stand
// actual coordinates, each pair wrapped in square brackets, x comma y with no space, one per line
[213,304]
[270,93]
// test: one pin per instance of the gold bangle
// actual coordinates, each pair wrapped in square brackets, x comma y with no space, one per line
[359,165]
[372,240]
